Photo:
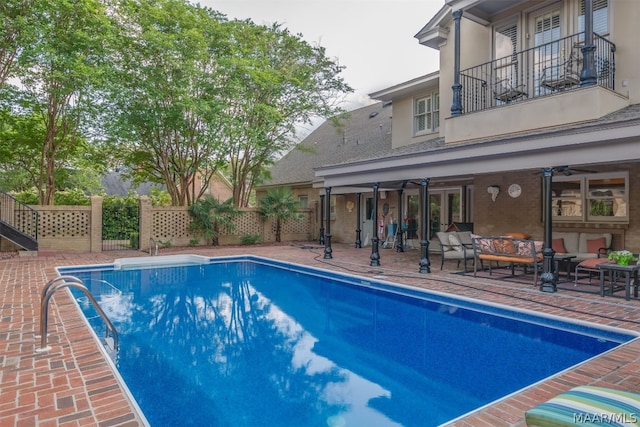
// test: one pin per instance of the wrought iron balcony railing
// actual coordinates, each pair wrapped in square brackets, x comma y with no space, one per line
[535,72]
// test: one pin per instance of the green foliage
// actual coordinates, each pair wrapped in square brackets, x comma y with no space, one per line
[159,197]
[120,216]
[210,217]
[250,239]
[58,72]
[134,240]
[165,87]
[165,243]
[74,197]
[180,88]
[28,197]
[279,203]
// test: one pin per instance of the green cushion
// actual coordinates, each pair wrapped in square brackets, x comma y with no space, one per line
[587,406]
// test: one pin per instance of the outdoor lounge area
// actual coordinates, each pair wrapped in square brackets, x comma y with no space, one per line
[73,384]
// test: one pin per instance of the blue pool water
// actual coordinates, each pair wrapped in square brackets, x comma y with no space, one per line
[251,342]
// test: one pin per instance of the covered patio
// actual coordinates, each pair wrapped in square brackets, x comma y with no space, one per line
[603,145]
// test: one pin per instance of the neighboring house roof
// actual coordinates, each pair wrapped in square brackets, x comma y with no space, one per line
[115,184]
[365,132]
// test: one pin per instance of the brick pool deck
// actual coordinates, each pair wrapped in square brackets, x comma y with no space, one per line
[74,385]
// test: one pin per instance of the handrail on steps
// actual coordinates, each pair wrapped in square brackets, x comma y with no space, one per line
[68,282]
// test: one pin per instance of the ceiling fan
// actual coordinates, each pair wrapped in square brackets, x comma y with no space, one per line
[568,171]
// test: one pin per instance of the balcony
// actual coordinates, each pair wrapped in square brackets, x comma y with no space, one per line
[541,71]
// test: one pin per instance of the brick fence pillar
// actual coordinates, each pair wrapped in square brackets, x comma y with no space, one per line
[96,224]
[145,222]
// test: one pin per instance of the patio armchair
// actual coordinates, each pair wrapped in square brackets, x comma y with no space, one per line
[504,90]
[564,72]
[453,246]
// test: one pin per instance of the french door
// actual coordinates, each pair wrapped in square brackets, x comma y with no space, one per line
[546,28]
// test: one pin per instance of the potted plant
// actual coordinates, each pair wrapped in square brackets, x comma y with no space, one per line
[622,257]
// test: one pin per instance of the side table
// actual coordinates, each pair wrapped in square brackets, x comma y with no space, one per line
[566,260]
[627,270]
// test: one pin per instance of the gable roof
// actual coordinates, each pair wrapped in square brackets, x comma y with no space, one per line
[363,133]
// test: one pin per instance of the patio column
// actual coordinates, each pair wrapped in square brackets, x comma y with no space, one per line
[456,106]
[547,278]
[321,220]
[358,220]
[327,244]
[375,255]
[399,247]
[425,264]
[588,76]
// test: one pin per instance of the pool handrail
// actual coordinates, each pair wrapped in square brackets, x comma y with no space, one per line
[68,282]
[152,240]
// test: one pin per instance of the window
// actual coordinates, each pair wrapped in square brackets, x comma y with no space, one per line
[303,201]
[591,198]
[427,114]
[506,41]
[600,17]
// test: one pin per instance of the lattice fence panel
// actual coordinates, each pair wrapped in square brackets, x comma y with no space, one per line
[248,222]
[26,222]
[299,226]
[170,223]
[61,224]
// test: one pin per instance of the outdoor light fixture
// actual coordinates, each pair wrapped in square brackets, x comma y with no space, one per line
[494,190]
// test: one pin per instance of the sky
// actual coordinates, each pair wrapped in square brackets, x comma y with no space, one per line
[373,39]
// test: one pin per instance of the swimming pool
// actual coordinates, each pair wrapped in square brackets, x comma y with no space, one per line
[246,341]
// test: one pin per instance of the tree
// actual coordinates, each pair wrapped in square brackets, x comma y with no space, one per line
[279,82]
[168,97]
[21,136]
[58,74]
[17,25]
[210,217]
[279,203]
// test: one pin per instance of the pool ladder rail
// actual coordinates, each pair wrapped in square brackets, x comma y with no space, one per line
[152,244]
[111,339]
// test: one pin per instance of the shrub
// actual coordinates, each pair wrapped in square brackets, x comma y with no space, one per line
[250,239]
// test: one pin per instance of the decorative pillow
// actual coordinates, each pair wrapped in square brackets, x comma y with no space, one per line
[558,245]
[524,249]
[454,241]
[504,246]
[594,245]
[593,262]
[485,244]
[538,245]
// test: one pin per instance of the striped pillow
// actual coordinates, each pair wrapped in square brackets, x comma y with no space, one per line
[587,405]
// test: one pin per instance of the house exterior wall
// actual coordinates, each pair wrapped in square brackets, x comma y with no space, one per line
[471,53]
[624,17]
[402,130]
[546,112]
[524,214]
[580,105]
